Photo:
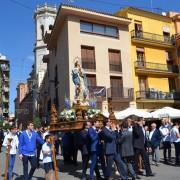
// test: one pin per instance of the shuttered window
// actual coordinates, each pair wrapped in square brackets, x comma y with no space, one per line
[116,86]
[115,60]
[88,57]
[91,80]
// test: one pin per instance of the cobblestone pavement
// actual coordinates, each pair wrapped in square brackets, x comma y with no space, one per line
[71,172]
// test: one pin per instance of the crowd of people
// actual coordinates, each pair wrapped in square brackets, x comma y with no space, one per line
[124,147]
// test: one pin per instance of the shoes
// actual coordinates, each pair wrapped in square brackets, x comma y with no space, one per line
[99,178]
[157,164]
[140,173]
[151,174]
[137,177]
[117,173]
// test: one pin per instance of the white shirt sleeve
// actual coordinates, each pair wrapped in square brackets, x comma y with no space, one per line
[5,142]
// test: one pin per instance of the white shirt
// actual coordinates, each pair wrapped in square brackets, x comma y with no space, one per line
[46,133]
[174,133]
[165,132]
[151,134]
[14,142]
[47,157]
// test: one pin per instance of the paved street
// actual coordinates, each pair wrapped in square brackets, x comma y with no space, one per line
[70,172]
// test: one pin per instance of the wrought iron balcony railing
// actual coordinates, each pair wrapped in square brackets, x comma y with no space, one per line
[156,66]
[112,92]
[152,37]
[120,93]
[89,64]
[157,95]
[115,68]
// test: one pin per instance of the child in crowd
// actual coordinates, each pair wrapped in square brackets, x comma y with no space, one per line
[47,158]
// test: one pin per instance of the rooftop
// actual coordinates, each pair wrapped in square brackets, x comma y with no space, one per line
[143,12]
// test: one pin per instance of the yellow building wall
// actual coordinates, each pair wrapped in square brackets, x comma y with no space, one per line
[151,25]
[153,54]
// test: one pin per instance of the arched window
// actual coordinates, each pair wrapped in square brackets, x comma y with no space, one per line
[42,31]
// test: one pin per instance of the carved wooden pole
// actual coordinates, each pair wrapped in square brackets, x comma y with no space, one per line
[54,118]
[54,158]
[7,158]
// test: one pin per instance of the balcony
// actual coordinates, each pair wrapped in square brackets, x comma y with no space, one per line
[152,39]
[142,67]
[120,93]
[157,96]
[89,64]
[115,68]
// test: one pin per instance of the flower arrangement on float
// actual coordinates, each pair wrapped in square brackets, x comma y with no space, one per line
[69,113]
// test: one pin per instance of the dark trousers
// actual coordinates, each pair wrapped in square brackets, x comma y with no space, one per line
[94,166]
[101,159]
[121,167]
[145,157]
[167,147]
[38,155]
[177,151]
[129,161]
[85,160]
[33,162]
[0,145]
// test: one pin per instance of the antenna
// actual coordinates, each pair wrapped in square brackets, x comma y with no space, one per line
[152,5]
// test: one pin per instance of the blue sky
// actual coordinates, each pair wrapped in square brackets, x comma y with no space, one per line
[17,29]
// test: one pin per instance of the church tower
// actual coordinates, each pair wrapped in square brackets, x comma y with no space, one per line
[44,19]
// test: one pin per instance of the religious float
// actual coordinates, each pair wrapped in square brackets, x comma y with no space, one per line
[82,109]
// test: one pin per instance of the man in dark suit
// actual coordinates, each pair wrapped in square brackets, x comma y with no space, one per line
[109,136]
[155,139]
[139,141]
[84,146]
[94,149]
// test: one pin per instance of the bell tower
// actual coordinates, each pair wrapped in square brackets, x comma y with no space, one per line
[44,17]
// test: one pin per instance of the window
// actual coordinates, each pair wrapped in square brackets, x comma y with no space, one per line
[111,31]
[138,26]
[172,84]
[115,60]
[88,57]
[86,27]
[166,36]
[99,29]
[140,54]
[138,29]
[142,83]
[91,80]
[116,86]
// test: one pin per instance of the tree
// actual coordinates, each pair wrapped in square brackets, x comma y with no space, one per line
[37,122]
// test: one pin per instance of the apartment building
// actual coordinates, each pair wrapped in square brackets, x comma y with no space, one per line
[176,19]
[24,102]
[155,68]
[4,87]
[100,42]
